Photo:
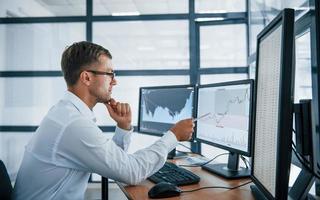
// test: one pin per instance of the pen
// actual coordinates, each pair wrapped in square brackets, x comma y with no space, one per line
[202,116]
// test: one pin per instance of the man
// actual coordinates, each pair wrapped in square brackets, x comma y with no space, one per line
[68,145]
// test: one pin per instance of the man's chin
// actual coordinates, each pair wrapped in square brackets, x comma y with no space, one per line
[104,100]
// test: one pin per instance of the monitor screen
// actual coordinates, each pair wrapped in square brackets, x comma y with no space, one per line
[315,87]
[226,109]
[161,107]
[273,107]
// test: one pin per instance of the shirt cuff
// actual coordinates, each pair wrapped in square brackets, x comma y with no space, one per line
[123,131]
[170,140]
[122,136]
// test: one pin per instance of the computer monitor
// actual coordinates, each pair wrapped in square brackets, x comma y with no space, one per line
[161,107]
[303,84]
[272,108]
[315,54]
[224,112]
[302,154]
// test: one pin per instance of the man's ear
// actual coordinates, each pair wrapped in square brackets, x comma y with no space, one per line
[85,78]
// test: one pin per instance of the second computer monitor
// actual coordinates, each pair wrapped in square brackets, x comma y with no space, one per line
[161,107]
[227,124]
[224,121]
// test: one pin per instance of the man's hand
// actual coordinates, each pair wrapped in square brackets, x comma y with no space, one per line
[121,113]
[183,129]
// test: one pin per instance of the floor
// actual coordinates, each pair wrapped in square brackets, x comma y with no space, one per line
[93,192]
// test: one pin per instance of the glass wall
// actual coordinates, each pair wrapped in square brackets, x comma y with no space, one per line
[223,46]
[220,6]
[261,12]
[42,8]
[36,46]
[148,44]
[140,7]
[303,85]
[152,43]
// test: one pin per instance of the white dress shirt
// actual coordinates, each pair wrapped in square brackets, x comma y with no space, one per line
[68,146]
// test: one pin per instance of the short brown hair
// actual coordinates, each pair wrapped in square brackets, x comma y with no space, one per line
[77,56]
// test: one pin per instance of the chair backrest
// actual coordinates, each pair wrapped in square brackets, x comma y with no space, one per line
[5,183]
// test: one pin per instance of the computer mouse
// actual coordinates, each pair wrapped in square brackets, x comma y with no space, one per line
[163,190]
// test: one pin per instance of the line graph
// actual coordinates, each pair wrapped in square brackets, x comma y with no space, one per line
[230,108]
[228,121]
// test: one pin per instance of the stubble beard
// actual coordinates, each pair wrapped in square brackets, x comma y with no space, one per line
[104,99]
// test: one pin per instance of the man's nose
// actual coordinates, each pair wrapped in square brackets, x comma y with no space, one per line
[114,81]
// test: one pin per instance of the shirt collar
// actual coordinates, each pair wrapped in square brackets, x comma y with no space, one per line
[80,105]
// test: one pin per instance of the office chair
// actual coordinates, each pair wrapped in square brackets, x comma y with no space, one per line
[5,183]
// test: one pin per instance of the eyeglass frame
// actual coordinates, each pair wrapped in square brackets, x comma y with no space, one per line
[111,74]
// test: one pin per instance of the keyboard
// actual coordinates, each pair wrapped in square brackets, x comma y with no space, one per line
[174,174]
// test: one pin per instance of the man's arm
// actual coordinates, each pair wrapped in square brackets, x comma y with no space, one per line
[85,148]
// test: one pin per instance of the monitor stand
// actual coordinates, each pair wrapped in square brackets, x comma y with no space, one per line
[176,154]
[258,195]
[230,170]
[302,185]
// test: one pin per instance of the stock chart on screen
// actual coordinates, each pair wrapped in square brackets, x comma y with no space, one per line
[160,108]
[226,111]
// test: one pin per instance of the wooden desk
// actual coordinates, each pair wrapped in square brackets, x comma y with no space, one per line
[140,192]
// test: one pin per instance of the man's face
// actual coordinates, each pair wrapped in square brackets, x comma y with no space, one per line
[101,87]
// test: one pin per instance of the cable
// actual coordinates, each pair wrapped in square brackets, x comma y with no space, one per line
[186,152]
[185,146]
[304,165]
[301,156]
[217,187]
[200,165]
[246,162]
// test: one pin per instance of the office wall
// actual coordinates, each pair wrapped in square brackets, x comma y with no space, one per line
[151,43]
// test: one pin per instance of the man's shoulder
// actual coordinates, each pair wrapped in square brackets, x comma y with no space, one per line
[64,111]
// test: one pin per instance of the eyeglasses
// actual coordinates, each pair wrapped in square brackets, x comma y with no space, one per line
[111,74]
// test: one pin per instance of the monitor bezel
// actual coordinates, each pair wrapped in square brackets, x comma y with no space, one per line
[315,61]
[302,25]
[163,87]
[230,83]
[283,159]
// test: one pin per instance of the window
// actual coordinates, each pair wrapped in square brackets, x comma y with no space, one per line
[220,6]
[262,12]
[148,44]
[36,46]
[25,101]
[42,8]
[139,7]
[223,46]
[303,85]
[152,43]
[216,78]
[11,150]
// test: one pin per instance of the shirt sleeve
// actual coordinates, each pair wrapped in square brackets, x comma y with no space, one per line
[122,138]
[84,147]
